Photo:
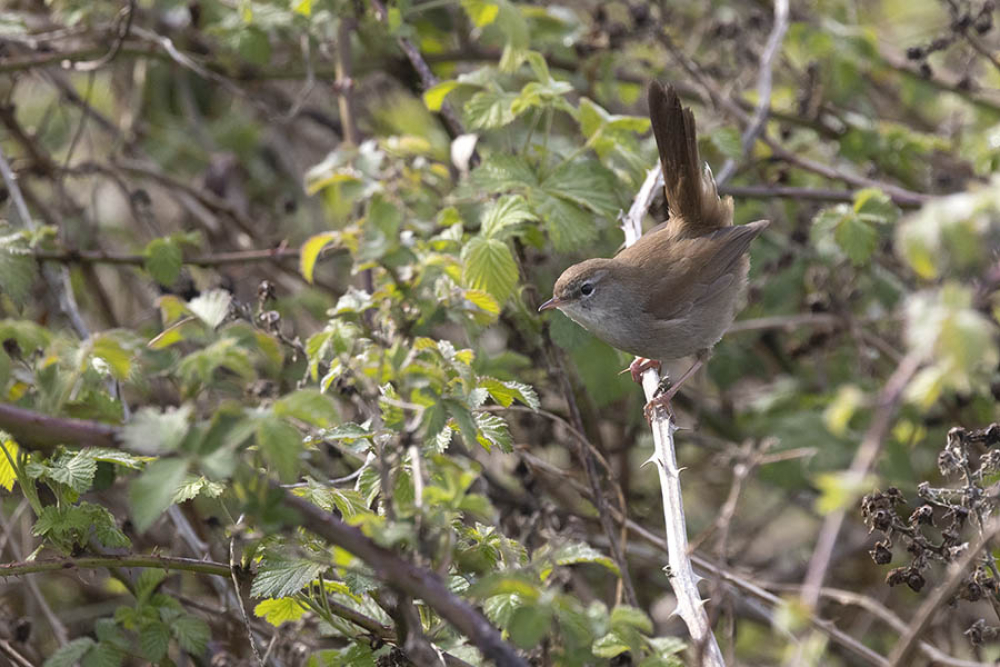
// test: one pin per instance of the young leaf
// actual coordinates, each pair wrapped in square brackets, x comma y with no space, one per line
[69,654]
[311,250]
[153,432]
[504,215]
[280,610]
[280,576]
[280,443]
[163,260]
[153,492]
[211,307]
[488,265]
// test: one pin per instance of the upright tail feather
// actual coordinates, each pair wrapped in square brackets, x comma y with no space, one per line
[695,207]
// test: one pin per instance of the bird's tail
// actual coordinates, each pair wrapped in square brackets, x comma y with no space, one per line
[695,207]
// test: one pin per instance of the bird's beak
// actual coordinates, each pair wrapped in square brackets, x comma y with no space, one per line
[551,303]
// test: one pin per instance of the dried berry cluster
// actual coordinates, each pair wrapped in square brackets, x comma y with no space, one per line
[939,528]
[967,22]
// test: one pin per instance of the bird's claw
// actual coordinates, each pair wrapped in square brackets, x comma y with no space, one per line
[639,366]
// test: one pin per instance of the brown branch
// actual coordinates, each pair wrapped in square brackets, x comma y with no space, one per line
[123,259]
[102,562]
[408,578]
[44,432]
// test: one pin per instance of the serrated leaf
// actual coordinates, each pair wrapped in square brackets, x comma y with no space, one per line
[154,639]
[163,259]
[211,307]
[17,274]
[193,486]
[74,470]
[69,654]
[493,432]
[576,552]
[308,405]
[524,393]
[569,227]
[191,633]
[153,432]
[503,216]
[485,302]
[280,576]
[280,443]
[280,610]
[873,205]
[153,491]
[501,173]
[586,183]
[609,646]
[104,654]
[857,238]
[727,140]
[348,431]
[490,109]
[488,265]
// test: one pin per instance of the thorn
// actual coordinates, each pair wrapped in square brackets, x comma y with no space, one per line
[702,603]
[697,578]
[651,459]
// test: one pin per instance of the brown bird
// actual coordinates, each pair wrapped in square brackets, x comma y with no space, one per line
[675,291]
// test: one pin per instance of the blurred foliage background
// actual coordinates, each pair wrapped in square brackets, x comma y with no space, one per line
[304,240]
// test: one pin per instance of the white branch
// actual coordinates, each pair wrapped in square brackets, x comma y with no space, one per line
[690,606]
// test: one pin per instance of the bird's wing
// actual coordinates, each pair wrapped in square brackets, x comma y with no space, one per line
[695,207]
[700,269]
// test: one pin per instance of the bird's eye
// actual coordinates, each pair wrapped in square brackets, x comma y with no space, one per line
[587,289]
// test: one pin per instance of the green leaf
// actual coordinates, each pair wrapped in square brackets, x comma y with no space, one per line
[569,228]
[71,653]
[727,140]
[148,581]
[857,238]
[311,250]
[154,639]
[873,205]
[211,307]
[191,633]
[501,173]
[610,645]
[280,443]
[163,260]
[308,405]
[153,432]
[435,95]
[623,617]
[280,576]
[280,610]
[481,12]
[493,432]
[573,553]
[18,271]
[490,109]
[104,654]
[488,265]
[529,624]
[153,492]
[503,216]
[108,348]
[74,470]
[194,486]
[586,183]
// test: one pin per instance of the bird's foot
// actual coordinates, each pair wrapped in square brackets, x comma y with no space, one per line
[661,399]
[639,366]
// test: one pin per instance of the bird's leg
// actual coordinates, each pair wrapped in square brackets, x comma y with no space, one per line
[664,395]
[639,366]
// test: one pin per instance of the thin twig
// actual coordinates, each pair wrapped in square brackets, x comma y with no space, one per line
[764,84]
[690,606]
